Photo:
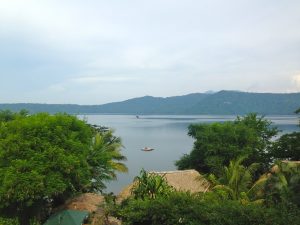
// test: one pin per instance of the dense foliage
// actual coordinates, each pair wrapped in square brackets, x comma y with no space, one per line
[244,189]
[184,208]
[105,159]
[236,182]
[9,221]
[287,147]
[150,185]
[283,184]
[45,159]
[218,143]
[230,201]
[7,115]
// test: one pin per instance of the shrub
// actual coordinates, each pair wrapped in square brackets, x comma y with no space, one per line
[9,221]
[150,185]
[185,208]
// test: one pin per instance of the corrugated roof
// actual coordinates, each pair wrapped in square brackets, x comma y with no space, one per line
[67,217]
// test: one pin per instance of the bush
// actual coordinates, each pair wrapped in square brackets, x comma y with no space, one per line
[150,185]
[45,159]
[184,208]
[9,221]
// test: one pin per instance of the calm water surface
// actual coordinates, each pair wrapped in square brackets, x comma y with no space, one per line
[166,134]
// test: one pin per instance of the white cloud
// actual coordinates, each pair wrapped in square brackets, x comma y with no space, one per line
[57,24]
[57,88]
[296,81]
[97,79]
[77,83]
[147,47]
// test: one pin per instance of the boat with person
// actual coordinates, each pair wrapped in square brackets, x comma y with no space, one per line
[147,149]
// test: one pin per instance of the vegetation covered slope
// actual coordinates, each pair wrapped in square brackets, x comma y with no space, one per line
[223,102]
[46,159]
[232,102]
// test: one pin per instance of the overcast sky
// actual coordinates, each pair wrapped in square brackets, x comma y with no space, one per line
[93,52]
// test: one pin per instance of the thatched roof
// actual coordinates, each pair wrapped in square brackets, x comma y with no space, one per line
[275,168]
[185,180]
[181,180]
[85,202]
[288,161]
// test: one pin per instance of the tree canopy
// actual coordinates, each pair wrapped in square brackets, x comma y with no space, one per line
[241,191]
[45,159]
[218,143]
[287,147]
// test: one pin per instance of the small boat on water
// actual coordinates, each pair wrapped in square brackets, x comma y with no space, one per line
[147,149]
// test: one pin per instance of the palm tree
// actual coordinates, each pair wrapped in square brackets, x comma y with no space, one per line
[236,181]
[105,158]
[284,183]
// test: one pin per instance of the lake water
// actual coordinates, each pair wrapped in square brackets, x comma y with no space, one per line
[166,134]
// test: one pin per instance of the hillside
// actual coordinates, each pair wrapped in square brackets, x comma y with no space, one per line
[233,102]
[223,102]
[154,105]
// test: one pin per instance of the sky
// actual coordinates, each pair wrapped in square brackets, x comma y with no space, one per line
[96,51]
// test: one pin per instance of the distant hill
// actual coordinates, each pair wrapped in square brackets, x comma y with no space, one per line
[234,102]
[222,103]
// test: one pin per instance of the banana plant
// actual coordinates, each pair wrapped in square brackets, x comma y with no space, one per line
[150,185]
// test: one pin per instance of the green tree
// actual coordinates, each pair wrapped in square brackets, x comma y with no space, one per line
[264,132]
[287,147]
[7,115]
[218,143]
[45,159]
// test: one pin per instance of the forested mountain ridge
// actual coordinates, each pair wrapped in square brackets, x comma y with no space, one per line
[233,102]
[223,102]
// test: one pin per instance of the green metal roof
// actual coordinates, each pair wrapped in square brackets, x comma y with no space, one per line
[67,217]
